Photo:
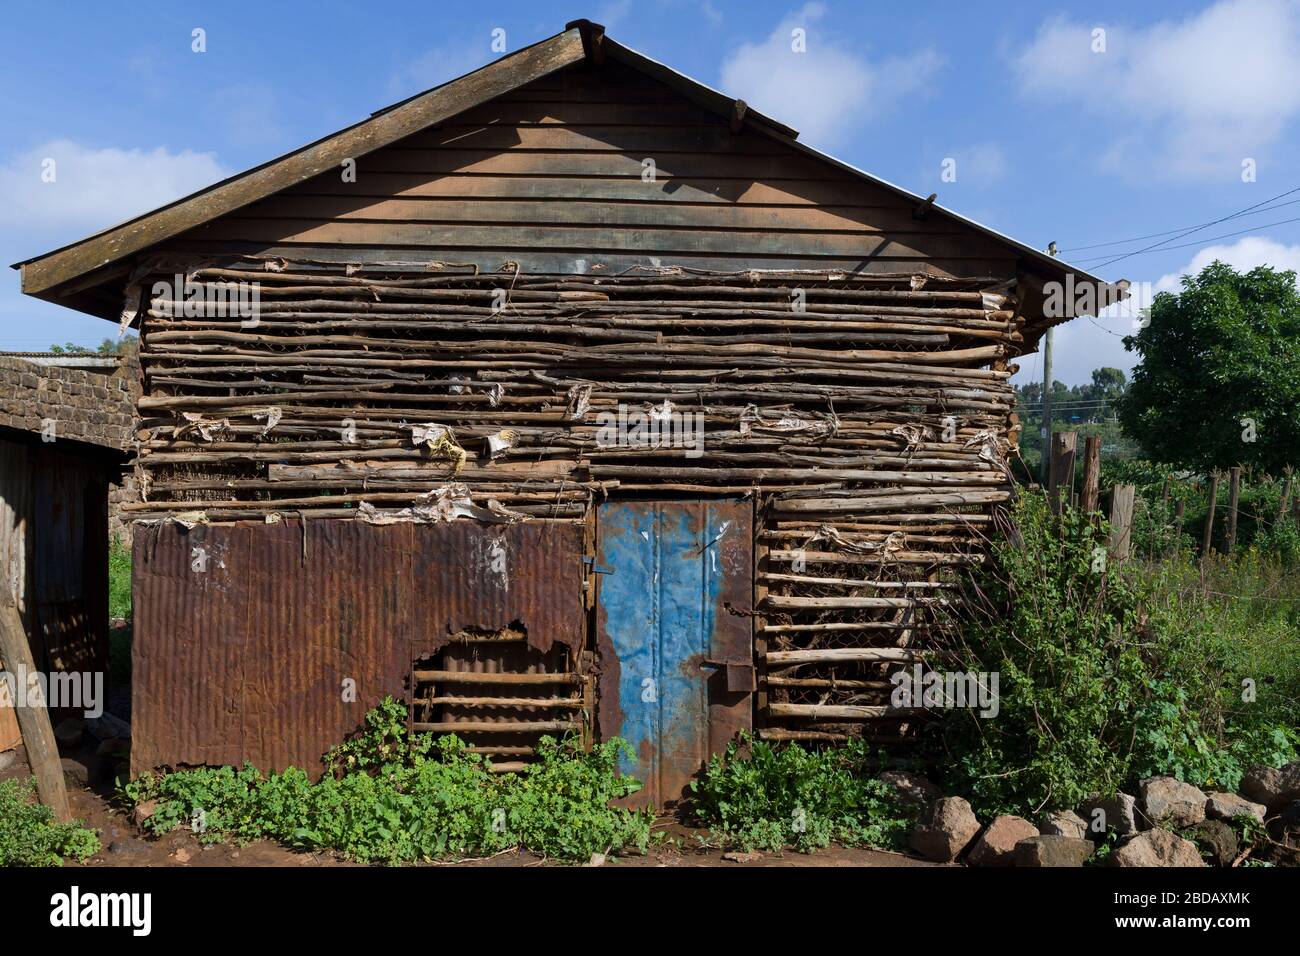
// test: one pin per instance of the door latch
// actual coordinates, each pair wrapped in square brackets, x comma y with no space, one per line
[741,677]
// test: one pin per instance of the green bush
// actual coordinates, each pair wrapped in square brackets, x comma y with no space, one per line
[29,835]
[1108,674]
[759,797]
[390,798]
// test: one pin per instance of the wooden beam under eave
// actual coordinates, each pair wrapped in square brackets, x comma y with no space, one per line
[383,129]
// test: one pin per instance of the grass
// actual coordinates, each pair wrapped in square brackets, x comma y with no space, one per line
[119,580]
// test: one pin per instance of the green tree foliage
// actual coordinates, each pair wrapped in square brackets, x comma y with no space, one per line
[1220,365]
[123,346]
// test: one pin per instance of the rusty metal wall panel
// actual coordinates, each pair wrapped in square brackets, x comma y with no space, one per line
[665,635]
[325,616]
[186,661]
[469,575]
[247,659]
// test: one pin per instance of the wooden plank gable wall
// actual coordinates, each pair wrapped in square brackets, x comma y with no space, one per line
[551,176]
[871,428]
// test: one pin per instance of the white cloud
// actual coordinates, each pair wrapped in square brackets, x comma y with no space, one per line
[826,90]
[1190,98]
[1243,255]
[1085,344]
[95,188]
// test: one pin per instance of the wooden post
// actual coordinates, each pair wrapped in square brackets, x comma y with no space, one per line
[1062,472]
[1286,493]
[1121,521]
[1091,499]
[33,719]
[1234,496]
[1206,538]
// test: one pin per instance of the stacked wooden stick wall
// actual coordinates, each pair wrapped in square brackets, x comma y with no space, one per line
[870,416]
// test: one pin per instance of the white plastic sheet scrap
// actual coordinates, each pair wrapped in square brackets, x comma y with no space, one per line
[579,403]
[273,414]
[500,441]
[751,419]
[430,433]
[441,442]
[444,503]
[209,429]
[912,435]
[992,447]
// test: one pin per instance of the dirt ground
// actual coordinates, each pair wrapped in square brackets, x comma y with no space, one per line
[124,845]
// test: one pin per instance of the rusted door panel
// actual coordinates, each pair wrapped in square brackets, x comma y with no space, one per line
[666,637]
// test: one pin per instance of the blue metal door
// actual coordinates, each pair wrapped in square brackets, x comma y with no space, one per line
[676,667]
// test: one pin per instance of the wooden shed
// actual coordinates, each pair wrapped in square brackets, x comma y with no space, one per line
[569,396]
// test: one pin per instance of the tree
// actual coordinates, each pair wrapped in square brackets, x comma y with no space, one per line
[1108,384]
[1218,383]
[126,345]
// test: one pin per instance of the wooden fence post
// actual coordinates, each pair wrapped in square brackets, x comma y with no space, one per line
[1206,538]
[1061,476]
[1121,521]
[1090,499]
[33,719]
[1180,510]
[1234,496]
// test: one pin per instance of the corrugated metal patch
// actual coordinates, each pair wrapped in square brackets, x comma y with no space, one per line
[274,651]
[488,577]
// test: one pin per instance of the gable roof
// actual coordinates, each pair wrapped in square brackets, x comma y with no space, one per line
[64,274]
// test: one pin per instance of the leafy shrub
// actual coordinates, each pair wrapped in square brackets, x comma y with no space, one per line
[396,799]
[29,834]
[1111,674]
[759,797]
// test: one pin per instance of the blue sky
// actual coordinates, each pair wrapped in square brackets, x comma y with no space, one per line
[1054,138]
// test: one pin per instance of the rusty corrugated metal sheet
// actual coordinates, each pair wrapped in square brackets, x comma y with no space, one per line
[470,575]
[247,660]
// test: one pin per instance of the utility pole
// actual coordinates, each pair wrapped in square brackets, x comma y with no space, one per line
[1047,393]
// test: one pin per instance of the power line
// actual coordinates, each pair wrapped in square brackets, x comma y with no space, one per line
[1167,232]
[1226,235]
[1215,222]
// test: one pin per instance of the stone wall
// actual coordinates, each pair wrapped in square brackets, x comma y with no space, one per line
[84,406]
[89,407]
